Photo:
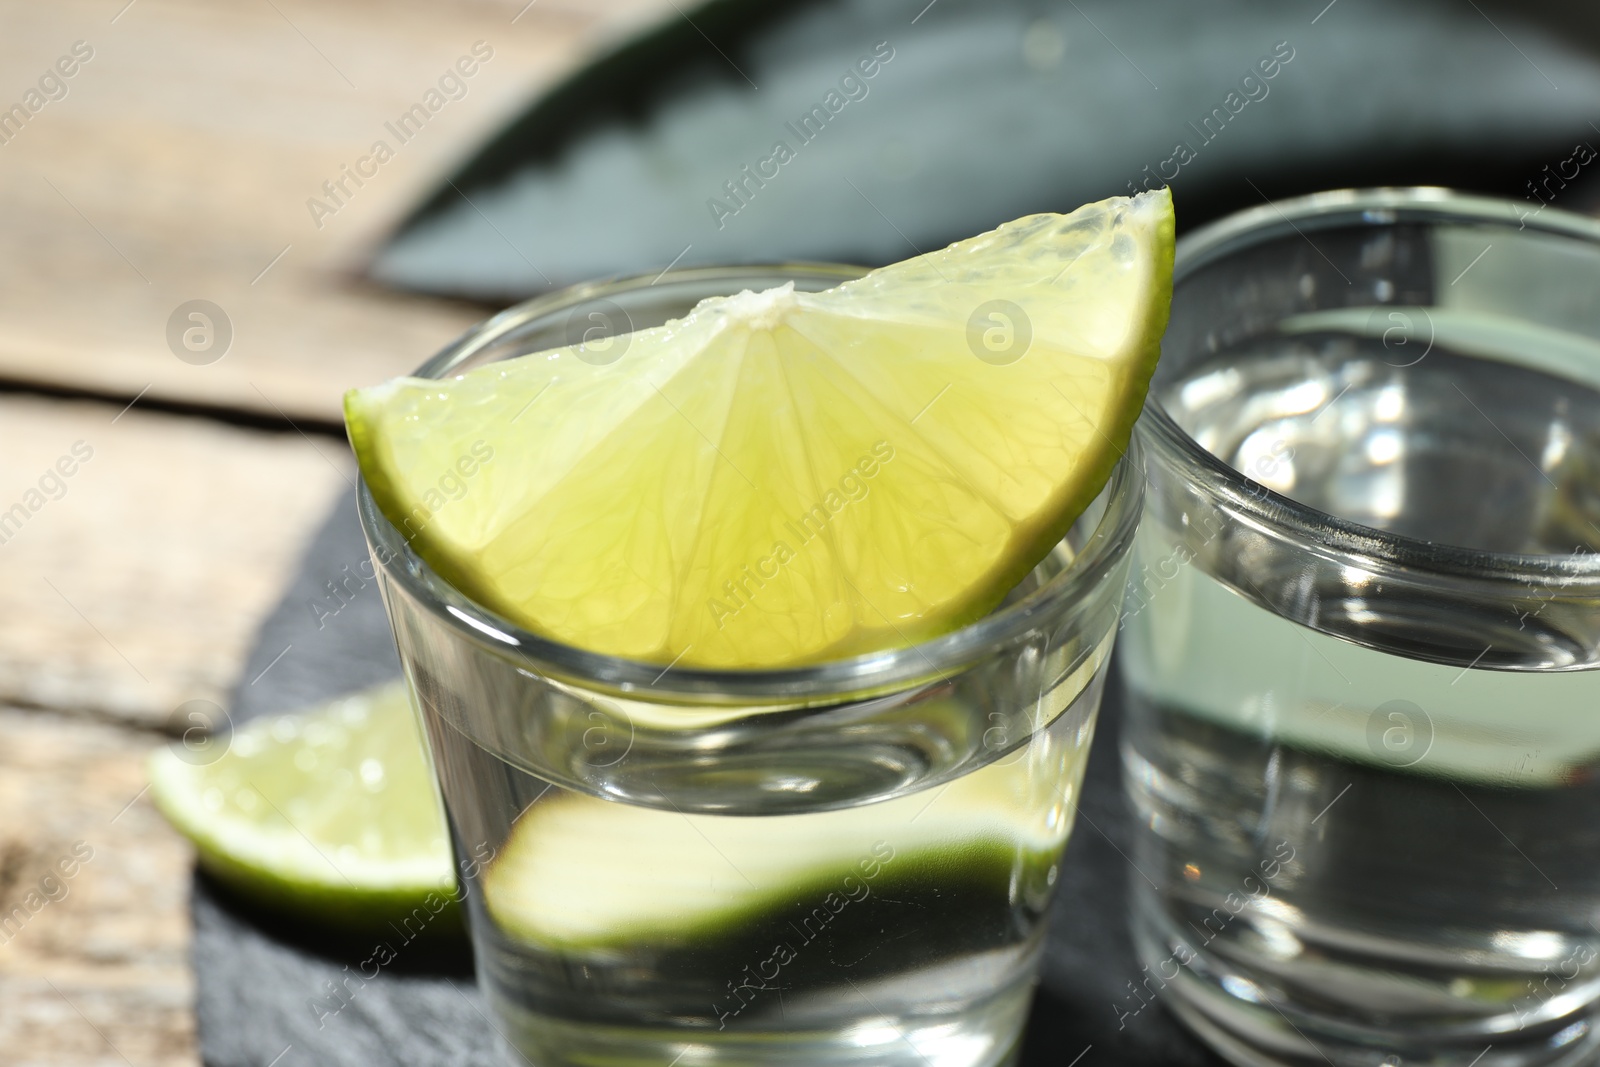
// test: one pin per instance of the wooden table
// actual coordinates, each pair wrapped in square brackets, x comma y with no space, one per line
[175,164]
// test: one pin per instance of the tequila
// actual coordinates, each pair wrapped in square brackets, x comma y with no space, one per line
[1377,821]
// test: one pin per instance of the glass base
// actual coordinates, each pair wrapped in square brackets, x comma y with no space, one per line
[1221,1001]
[985,1034]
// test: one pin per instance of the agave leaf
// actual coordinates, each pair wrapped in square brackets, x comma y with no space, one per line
[987,109]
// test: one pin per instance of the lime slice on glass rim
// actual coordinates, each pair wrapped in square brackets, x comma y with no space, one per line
[776,479]
[784,478]
[330,813]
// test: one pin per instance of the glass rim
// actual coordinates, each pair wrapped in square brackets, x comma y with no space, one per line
[884,671]
[1215,477]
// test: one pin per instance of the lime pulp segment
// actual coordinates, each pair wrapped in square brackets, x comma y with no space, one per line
[331,813]
[782,478]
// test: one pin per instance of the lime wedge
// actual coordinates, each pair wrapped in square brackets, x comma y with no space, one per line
[781,478]
[330,813]
[569,876]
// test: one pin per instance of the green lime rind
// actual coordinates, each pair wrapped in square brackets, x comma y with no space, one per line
[1115,437]
[433,910]
[785,478]
[329,815]
[981,871]
[363,425]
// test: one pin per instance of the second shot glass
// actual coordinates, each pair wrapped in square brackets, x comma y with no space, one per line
[1362,636]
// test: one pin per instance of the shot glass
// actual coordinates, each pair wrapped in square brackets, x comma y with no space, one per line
[1362,632]
[846,863]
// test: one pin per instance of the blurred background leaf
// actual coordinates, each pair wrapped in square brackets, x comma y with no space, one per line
[990,109]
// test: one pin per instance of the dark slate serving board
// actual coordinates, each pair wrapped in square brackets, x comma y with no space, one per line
[259,981]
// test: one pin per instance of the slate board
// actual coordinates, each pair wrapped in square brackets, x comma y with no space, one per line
[257,979]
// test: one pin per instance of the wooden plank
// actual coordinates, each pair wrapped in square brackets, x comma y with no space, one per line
[94,926]
[139,551]
[180,163]
[136,583]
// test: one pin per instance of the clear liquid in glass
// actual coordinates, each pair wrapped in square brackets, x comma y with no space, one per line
[1396,854]
[605,932]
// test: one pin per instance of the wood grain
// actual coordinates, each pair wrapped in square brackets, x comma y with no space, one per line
[137,583]
[93,964]
[179,165]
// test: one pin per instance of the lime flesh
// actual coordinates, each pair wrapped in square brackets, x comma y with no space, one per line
[782,478]
[331,813]
[776,479]
[579,873]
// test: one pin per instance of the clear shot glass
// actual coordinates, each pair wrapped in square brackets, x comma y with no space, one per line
[847,863]
[1362,632]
